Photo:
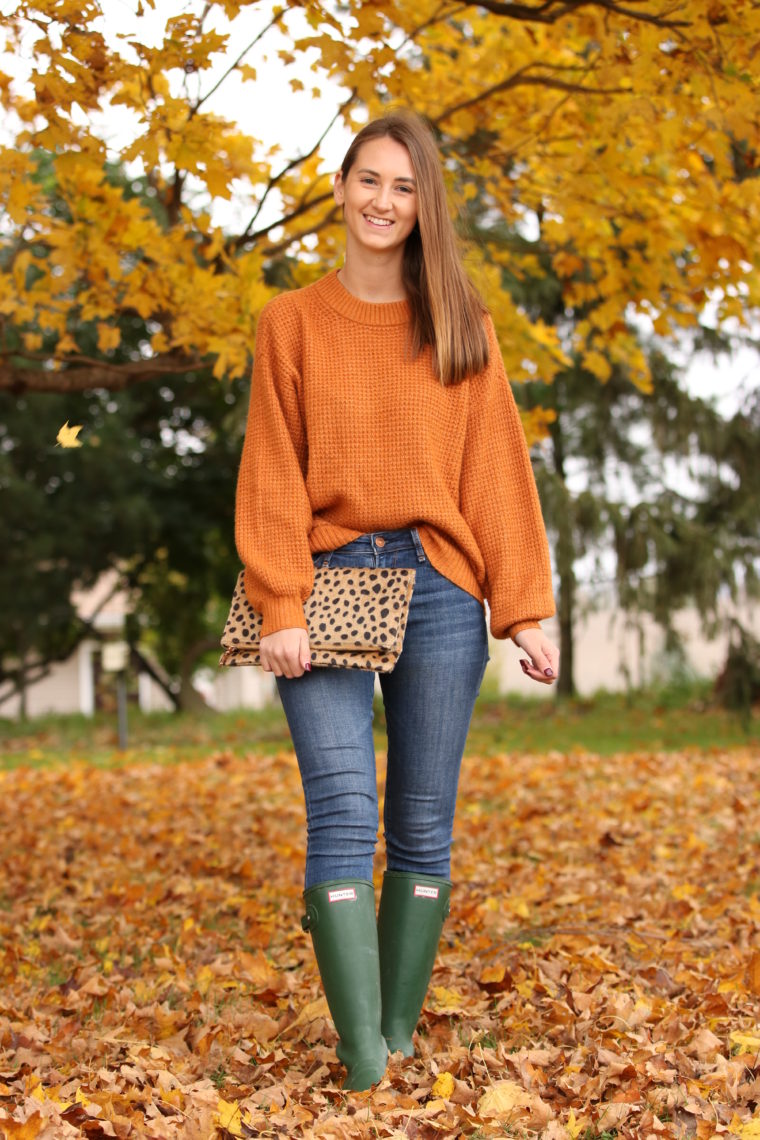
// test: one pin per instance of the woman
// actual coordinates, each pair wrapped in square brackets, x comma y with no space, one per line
[382,432]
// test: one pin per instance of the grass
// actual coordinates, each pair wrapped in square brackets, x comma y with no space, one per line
[669,718]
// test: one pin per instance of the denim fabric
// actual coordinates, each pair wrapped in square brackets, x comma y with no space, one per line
[428,701]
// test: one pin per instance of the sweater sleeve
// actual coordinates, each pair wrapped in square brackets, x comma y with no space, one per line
[272,511]
[499,502]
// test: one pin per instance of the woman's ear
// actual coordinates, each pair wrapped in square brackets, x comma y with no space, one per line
[338,188]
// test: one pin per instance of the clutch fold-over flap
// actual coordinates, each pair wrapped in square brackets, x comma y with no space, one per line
[355,616]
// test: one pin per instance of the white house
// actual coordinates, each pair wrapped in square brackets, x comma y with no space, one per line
[611,652]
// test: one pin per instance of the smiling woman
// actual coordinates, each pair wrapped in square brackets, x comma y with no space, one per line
[379,207]
[383,433]
[397,163]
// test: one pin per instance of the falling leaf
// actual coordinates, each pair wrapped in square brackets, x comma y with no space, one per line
[67,436]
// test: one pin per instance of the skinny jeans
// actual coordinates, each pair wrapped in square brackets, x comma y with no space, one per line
[428,699]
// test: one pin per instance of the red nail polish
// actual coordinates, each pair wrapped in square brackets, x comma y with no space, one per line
[548,672]
[307,666]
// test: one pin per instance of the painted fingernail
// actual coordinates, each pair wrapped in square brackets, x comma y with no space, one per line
[548,672]
[525,665]
[307,666]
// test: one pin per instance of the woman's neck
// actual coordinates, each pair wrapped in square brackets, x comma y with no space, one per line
[376,279]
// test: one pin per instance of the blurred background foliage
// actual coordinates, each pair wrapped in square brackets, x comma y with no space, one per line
[606,177]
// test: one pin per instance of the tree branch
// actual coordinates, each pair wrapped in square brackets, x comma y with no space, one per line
[91,374]
[145,665]
[553,10]
[520,79]
[275,20]
[278,247]
[244,238]
[247,233]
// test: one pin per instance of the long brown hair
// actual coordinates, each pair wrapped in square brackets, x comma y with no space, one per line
[447,312]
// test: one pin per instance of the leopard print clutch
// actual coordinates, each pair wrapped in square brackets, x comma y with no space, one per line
[355,616]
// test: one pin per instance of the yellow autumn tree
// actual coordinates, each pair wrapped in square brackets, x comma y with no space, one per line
[624,135]
[83,253]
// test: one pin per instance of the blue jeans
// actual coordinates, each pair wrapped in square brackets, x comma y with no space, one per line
[428,699]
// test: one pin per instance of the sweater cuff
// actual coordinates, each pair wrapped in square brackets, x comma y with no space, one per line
[282,613]
[521,625]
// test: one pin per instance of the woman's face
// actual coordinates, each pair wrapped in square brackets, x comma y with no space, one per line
[379,196]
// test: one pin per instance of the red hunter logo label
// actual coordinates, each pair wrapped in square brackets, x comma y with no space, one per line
[345,894]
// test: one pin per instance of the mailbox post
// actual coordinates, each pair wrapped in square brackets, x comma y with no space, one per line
[115,660]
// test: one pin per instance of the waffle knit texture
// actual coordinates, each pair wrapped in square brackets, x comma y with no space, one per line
[347,435]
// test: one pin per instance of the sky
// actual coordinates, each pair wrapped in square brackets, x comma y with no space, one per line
[272,112]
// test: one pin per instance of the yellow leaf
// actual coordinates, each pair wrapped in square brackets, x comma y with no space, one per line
[229,1116]
[443,1086]
[108,338]
[67,436]
[598,365]
[520,907]
[445,1000]
[748,1042]
[29,1130]
[203,980]
[492,974]
[312,1010]
[573,1126]
[503,1098]
[750,1130]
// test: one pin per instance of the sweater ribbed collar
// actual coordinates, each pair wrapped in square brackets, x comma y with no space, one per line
[338,298]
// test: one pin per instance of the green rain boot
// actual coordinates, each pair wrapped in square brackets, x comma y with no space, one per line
[409,924]
[340,915]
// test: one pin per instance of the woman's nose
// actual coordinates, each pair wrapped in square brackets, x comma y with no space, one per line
[383,198]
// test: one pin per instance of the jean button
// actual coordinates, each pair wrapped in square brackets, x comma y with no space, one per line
[380,541]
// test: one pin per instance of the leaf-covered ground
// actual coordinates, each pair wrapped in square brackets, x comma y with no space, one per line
[599,975]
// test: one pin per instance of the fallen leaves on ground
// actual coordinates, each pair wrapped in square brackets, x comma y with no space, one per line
[599,974]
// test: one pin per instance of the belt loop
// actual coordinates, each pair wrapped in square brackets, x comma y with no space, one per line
[418,545]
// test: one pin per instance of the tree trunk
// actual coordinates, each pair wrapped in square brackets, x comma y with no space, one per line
[189,697]
[23,709]
[565,558]
[566,608]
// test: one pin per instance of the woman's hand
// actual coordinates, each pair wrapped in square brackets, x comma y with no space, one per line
[543,665]
[286,652]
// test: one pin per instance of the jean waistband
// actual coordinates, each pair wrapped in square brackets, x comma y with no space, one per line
[388,542]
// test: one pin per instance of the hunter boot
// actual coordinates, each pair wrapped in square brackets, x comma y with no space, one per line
[409,924]
[340,916]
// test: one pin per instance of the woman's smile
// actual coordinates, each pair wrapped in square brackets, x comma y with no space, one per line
[383,223]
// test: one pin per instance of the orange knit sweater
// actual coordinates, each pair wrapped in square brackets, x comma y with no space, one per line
[346,435]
